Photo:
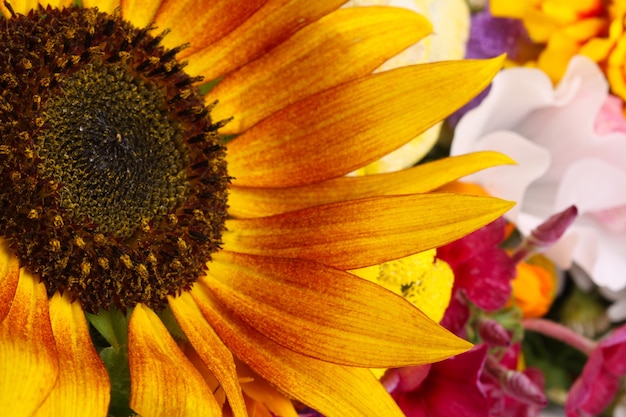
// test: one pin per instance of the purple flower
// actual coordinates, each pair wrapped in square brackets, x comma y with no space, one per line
[490,37]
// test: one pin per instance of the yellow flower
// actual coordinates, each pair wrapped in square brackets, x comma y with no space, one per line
[116,198]
[592,28]
[421,278]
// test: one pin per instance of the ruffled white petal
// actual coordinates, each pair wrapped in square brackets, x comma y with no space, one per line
[562,159]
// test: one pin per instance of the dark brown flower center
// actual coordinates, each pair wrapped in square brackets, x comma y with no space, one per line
[113,183]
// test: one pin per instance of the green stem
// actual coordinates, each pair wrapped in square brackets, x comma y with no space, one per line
[560,332]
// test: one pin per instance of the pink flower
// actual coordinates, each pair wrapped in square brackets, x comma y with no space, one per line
[571,149]
[596,387]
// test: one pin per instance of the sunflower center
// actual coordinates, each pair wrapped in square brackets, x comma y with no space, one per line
[114,150]
[112,175]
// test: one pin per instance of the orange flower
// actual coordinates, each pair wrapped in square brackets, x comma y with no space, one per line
[119,196]
[534,287]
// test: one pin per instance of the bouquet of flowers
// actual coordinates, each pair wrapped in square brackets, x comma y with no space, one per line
[284,208]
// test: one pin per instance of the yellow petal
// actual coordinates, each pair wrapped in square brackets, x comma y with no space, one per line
[274,22]
[24,6]
[28,357]
[359,233]
[340,47]
[406,155]
[338,130]
[141,12]
[163,381]
[513,9]
[106,6]
[257,202]
[217,358]
[82,388]
[332,315]
[462,187]
[422,279]
[539,26]
[9,277]
[201,23]
[333,390]
[263,392]
[615,70]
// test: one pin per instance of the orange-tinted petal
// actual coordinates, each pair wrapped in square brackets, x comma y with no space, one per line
[214,354]
[462,187]
[338,130]
[359,233]
[333,390]
[332,315]
[9,277]
[340,47]
[257,202]
[141,12]
[201,23]
[28,357]
[163,381]
[82,388]
[269,26]
[261,391]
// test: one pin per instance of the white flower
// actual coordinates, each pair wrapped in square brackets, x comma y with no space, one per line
[564,158]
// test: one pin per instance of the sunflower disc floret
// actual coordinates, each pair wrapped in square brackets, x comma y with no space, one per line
[113,177]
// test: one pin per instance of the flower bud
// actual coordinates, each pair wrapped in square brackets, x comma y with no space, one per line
[493,333]
[546,234]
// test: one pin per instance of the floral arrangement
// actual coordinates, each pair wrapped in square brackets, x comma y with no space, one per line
[294,208]
[557,110]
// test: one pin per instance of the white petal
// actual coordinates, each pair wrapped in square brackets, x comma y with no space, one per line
[592,185]
[515,93]
[511,182]
[584,167]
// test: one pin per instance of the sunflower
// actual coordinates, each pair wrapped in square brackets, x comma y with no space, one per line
[202,238]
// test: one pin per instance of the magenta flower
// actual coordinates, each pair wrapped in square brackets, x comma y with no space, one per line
[482,270]
[596,387]
[473,384]
[450,388]
[512,393]
[546,234]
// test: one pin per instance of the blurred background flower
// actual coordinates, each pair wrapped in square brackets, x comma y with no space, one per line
[570,150]
[563,29]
